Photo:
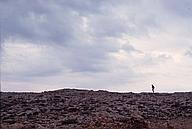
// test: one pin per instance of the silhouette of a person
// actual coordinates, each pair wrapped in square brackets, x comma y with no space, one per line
[153,88]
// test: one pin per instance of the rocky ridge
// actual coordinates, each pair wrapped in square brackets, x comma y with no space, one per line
[84,109]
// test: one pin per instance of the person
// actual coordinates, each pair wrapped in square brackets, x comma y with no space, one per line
[153,88]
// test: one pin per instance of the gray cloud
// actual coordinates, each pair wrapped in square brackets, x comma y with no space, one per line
[178,7]
[40,23]
[61,22]
[189,52]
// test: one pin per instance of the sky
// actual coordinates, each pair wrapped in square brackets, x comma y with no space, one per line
[114,45]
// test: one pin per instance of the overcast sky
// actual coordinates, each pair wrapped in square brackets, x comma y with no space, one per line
[115,45]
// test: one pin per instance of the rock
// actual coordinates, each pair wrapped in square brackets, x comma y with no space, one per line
[78,109]
[68,121]
[9,121]
[73,109]
[138,123]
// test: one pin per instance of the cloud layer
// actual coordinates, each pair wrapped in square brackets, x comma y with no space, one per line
[115,45]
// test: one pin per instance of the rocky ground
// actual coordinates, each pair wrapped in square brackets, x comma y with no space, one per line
[83,109]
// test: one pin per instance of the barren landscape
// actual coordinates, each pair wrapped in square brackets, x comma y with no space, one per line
[86,109]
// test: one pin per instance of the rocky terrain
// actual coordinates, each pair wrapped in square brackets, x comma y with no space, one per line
[83,109]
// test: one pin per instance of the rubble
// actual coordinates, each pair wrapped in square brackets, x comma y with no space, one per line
[84,109]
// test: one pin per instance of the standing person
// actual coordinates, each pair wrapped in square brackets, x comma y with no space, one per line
[153,88]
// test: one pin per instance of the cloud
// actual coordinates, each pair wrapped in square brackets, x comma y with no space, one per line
[180,8]
[24,60]
[45,23]
[189,52]
[92,44]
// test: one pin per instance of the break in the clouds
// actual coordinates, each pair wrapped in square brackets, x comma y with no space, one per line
[96,44]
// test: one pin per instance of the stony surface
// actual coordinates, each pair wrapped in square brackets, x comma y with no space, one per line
[78,109]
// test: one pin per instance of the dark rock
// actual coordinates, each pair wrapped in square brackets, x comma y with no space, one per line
[73,109]
[9,121]
[68,121]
